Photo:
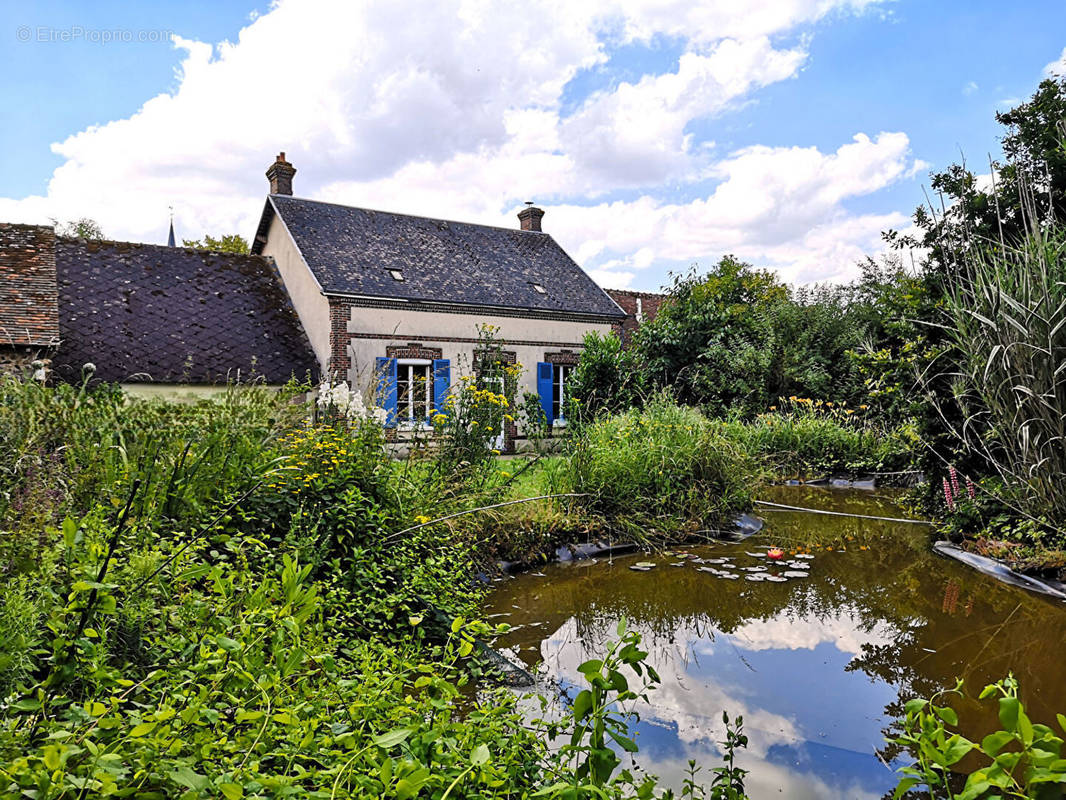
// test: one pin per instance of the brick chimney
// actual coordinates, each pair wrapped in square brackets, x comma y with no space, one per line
[280,175]
[530,217]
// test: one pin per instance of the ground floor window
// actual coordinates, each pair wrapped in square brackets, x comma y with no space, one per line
[560,375]
[414,389]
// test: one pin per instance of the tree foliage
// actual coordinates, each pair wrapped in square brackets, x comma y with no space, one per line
[227,243]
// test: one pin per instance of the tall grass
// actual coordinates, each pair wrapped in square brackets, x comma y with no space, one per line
[663,462]
[807,438]
[66,448]
[1006,324]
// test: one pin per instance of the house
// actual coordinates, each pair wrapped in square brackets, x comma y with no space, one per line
[154,319]
[29,307]
[639,308]
[393,302]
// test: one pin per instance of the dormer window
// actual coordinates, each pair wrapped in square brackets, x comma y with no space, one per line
[396,275]
[538,288]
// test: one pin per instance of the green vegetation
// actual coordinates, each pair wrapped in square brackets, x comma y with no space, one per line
[226,243]
[1022,760]
[211,599]
[955,365]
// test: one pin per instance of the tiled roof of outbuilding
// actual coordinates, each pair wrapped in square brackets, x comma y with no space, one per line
[29,312]
[143,312]
[352,250]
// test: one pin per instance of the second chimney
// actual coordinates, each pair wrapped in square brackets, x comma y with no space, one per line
[530,217]
[280,175]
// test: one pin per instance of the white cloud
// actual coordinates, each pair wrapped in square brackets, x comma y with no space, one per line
[1056,68]
[457,111]
[970,88]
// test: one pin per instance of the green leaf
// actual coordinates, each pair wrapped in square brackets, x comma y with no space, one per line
[232,791]
[415,619]
[582,704]
[227,644]
[190,779]
[1009,708]
[392,738]
[143,729]
[947,714]
[29,704]
[480,755]
[457,623]
[593,665]
[465,648]
[995,742]
[1062,721]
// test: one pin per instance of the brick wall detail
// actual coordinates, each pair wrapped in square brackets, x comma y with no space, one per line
[627,300]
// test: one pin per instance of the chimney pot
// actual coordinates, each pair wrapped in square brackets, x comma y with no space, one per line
[529,217]
[280,175]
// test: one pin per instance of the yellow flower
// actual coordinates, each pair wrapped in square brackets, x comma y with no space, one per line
[421,519]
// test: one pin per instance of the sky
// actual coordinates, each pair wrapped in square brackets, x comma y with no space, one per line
[658,135]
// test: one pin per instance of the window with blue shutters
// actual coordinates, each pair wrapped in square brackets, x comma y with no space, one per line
[442,379]
[545,389]
[387,396]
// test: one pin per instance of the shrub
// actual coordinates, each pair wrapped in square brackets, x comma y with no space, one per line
[664,462]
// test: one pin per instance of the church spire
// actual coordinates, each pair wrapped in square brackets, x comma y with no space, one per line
[170,239]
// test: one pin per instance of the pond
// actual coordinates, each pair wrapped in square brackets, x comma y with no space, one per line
[818,666]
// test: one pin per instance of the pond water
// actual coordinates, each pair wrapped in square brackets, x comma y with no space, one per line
[818,666]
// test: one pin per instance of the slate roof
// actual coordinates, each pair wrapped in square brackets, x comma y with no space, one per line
[29,312]
[143,312]
[351,250]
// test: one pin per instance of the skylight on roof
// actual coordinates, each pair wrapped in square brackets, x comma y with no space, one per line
[396,275]
[538,288]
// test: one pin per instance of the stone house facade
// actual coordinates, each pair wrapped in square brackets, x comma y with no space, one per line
[392,303]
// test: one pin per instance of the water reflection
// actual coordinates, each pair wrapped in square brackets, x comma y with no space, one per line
[817,666]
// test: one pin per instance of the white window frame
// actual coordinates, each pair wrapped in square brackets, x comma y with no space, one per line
[406,421]
[563,371]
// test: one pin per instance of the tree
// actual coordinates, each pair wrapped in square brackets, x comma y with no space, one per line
[83,228]
[1030,185]
[227,243]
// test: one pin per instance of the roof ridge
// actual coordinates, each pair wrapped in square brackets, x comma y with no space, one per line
[409,216]
[81,240]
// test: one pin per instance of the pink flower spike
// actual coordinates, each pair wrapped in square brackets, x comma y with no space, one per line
[954,481]
[971,489]
[947,495]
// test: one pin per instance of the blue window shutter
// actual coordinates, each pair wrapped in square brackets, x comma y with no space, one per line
[386,369]
[544,388]
[442,380]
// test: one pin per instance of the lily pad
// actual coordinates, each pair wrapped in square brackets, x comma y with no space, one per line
[729,576]
[775,578]
[755,555]
[754,569]
[805,556]
[645,564]
[757,577]
[678,564]
[795,573]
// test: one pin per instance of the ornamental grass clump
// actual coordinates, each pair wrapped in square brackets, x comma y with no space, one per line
[665,462]
[1005,322]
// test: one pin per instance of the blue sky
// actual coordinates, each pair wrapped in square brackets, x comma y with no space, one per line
[656,134]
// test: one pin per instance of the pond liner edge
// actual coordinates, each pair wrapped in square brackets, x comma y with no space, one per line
[746,524]
[999,570]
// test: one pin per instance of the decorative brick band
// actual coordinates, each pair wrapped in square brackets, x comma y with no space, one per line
[413,350]
[566,357]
